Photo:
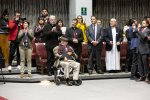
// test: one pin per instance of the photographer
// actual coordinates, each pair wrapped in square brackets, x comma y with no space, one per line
[15,25]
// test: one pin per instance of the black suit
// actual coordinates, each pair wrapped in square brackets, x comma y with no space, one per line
[108,37]
[94,50]
[70,35]
[143,50]
[51,40]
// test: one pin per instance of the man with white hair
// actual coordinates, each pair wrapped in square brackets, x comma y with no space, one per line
[51,33]
[113,38]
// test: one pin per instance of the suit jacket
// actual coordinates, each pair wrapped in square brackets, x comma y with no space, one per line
[29,38]
[91,36]
[51,38]
[143,46]
[108,37]
[70,35]
[59,56]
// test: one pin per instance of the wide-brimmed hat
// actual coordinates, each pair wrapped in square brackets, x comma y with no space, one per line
[63,38]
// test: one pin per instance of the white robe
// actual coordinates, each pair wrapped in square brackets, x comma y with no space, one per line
[113,56]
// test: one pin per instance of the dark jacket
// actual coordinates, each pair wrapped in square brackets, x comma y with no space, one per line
[38,34]
[70,35]
[143,46]
[51,38]
[108,37]
[91,37]
[4,26]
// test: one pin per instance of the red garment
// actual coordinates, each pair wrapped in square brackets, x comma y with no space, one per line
[13,30]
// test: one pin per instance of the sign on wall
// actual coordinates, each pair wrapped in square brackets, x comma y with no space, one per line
[83,10]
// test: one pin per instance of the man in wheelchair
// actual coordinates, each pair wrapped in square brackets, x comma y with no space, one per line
[65,57]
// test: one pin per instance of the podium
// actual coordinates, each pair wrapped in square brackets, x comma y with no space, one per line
[2,64]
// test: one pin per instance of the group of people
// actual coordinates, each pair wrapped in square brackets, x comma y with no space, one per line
[64,45]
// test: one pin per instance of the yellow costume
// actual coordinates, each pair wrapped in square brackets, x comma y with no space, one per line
[4,44]
[83,28]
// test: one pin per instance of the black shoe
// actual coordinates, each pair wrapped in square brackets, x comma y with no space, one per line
[133,78]
[75,82]
[68,83]
[90,71]
[49,74]
[141,79]
[126,71]
[100,72]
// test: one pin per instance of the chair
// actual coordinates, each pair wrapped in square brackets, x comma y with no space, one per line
[34,49]
[41,57]
[123,53]
[84,57]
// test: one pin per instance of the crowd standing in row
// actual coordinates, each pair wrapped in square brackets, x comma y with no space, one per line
[68,51]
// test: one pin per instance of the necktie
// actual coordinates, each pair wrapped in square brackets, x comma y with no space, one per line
[94,31]
[142,29]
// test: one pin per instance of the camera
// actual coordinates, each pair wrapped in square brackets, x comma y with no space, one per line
[23,18]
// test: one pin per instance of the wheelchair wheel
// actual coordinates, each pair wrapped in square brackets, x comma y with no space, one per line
[80,81]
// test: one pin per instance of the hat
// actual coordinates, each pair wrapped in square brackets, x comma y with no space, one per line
[63,38]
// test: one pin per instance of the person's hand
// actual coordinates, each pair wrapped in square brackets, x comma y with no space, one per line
[94,43]
[54,29]
[65,59]
[111,42]
[148,37]
[118,43]
[75,40]
[69,53]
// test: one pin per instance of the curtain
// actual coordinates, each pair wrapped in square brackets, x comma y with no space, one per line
[31,9]
[122,10]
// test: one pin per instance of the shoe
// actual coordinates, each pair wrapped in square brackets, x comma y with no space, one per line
[147,79]
[75,82]
[18,67]
[126,71]
[21,75]
[90,71]
[100,72]
[133,78]
[49,74]
[30,75]
[141,79]
[68,83]
[9,68]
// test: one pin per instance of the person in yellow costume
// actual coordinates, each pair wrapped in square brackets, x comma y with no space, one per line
[82,26]
[4,30]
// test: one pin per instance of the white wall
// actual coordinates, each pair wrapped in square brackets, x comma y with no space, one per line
[75,10]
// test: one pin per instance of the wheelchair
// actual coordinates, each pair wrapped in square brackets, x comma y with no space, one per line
[59,76]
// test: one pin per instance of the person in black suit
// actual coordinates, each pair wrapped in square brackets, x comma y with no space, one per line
[132,47]
[51,33]
[95,38]
[113,39]
[75,37]
[143,51]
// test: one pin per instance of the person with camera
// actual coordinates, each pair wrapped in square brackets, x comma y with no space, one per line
[25,37]
[4,32]
[132,47]
[15,25]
